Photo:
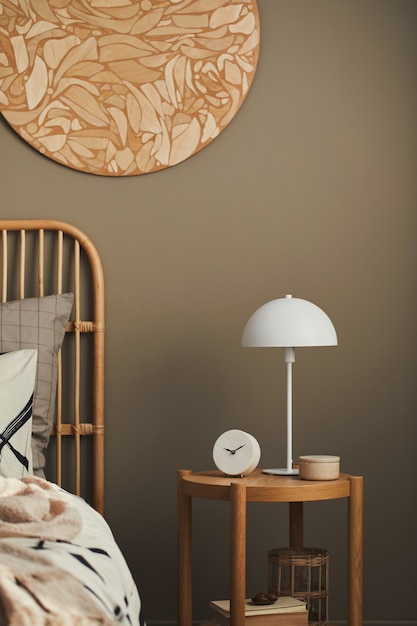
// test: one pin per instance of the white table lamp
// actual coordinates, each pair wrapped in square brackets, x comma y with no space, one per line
[288,323]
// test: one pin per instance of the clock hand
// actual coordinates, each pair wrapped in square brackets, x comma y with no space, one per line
[235,450]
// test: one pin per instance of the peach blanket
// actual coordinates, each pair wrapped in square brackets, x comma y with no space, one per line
[34,507]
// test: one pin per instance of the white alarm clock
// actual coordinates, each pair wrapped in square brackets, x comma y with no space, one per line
[236,453]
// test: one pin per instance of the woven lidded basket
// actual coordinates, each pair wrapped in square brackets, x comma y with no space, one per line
[302,573]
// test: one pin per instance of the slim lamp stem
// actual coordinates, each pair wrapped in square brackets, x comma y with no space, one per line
[289,416]
[289,356]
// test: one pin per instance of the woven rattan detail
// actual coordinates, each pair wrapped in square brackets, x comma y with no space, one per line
[84,429]
[304,574]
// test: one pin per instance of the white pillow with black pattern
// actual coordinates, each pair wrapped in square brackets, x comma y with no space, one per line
[17,384]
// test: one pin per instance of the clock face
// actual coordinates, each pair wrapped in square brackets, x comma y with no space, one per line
[236,452]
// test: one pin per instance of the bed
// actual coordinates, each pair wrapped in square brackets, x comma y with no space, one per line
[59,561]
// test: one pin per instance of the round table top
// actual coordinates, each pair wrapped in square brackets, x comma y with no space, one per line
[260,487]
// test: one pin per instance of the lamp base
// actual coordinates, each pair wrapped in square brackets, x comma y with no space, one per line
[282,471]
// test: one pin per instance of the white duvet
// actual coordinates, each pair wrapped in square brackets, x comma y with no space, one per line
[41,576]
[114,587]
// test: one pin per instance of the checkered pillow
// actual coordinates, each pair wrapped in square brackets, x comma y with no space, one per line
[38,324]
[17,384]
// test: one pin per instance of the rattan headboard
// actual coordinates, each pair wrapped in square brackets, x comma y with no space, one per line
[44,257]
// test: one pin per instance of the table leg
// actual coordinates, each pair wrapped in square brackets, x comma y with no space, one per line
[355,552]
[184,556]
[296,524]
[237,553]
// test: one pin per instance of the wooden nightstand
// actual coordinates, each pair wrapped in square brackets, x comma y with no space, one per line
[259,487]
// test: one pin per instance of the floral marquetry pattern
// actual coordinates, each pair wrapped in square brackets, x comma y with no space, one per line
[123,87]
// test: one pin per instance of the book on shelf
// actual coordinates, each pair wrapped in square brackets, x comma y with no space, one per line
[286,611]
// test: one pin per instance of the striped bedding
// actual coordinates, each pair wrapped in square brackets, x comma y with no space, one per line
[60,566]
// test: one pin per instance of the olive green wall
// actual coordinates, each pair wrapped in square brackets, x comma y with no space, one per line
[311,190]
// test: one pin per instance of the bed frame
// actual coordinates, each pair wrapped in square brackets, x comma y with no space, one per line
[45,257]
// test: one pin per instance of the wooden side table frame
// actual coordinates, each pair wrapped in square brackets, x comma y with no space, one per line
[259,487]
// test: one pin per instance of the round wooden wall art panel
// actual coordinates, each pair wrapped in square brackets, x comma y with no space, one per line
[123,87]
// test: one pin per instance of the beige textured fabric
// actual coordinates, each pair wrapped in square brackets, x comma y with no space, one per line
[38,323]
[34,507]
[34,592]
